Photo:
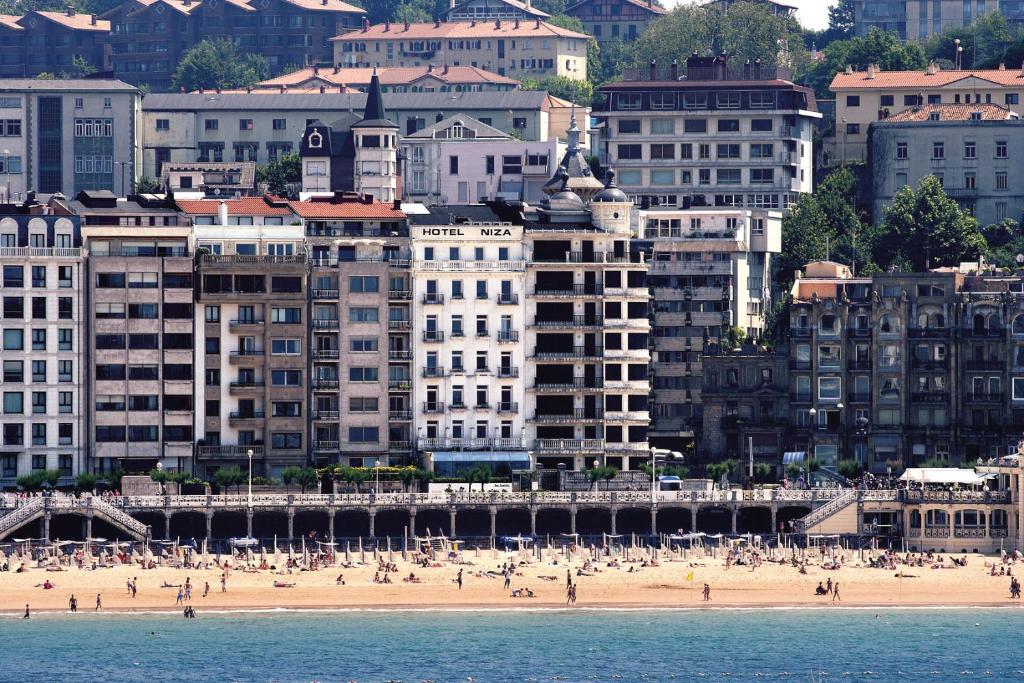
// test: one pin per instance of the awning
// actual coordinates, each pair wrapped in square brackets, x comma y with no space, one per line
[794,457]
[944,475]
[516,457]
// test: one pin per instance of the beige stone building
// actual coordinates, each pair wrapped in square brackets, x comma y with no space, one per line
[517,49]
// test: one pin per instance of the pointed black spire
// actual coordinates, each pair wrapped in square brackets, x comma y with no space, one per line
[374,114]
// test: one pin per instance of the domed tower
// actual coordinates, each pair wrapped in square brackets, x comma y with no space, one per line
[610,208]
[376,148]
[581,180]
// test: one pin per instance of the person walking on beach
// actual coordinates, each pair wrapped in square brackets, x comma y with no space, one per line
[828,586]
[568,579]
[181,595]
[707,593]
[129,584]
[835,592]
[458,579]
[223,583]
[26,615]
[73,603]
[135,586]
[188,589]
[508,578]
[99,603]
[206,589]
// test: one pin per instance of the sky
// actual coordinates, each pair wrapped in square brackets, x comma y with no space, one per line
[812,13]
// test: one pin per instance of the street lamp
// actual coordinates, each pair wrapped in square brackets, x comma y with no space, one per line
[249,453]
[376,467]
[813,412]
[957,55]
[844,141]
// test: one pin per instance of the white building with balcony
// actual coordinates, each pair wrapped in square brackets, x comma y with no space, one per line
[469,299]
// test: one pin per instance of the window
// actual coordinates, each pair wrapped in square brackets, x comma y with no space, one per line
[453,165]
[1002,181]
[286,409]
[285,347]
[286,440]
[280,124]
[363,405]
[288,316]
[662,127]
[728,125]
[363,434]
[14,340]
[970,149]
[364,344]
[163,124]
[364,283]
[901,149]
[667,151]
[363,315]
[938,150]
[630,152]
[629,126]
[695,126]
[1012,98]
[286,378]
[244,124]
[829,388]
[363,375]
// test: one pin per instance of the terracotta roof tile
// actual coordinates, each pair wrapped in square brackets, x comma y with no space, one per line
[328,6]
[11,22]
[459,29]
[885,80]
[81,22]
[389,76]
[246,206]
[346,209]
[952,112]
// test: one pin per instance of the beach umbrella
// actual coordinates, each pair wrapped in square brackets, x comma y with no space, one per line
[362,553]
[391,554]
[348,556]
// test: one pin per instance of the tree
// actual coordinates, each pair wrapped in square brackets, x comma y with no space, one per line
[290,474]
[306,478]
[877,47]
[278,173]
[594,475]
[411,12]
[609,473]
[1005,241]
[230,476]
[842,18]
[218,64]
[147,185]
[927,229]
[849,468]
[86,481]
[985,43]
[580,92]
[763,472]
[406,475]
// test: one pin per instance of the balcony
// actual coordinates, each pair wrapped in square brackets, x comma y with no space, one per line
[326,293]
[508,299]
[985,397]
[433,298]
[259,259]
[433,407]
[575,353]
[472,444]
[508,372]
[574,384]
[984,364]
[245,388]
[400,324]
[400,294]
[930,396]
[482,332]
[398,445]
[57,252]
[245,323]
[858,364]
[575,290]
[326,414]
[928,333]
[855,397]
[326,446]
[983,334]
[237,416]
[326,324]
[433,336]
[434,372]
[322,383]
[245,355]
[571,323]
[508,336]
[400,384]
[395,354]
[228,452]
[326,354]
[569,445]
[399,415]
[577,415]
[471,266]
[508,407]
[859,332]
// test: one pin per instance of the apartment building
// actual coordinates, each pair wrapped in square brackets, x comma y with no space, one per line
[251,282]
[777,7]
[864,97]
[147,39]
[361,330]
[514,48]
[709,271]
[427,78]
[489,10]
[469,298]
[709,136]
[236,127]
[461,160]
[139,332]
[52,42]
[43,285]
[920,19]
[970,148]
[587,333]
[615,20]
[59,135]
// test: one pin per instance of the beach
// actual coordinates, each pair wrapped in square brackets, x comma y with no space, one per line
[675,582]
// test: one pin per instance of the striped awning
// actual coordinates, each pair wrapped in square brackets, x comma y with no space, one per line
[794,457]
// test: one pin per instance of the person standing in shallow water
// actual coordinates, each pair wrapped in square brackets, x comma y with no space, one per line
[26,616]
[99,603]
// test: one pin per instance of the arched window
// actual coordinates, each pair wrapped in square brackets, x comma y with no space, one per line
[915,519]
[889,324]
[938,321]
[922,320]
[979,323]
[936,518]
[1018,324]
[999,519]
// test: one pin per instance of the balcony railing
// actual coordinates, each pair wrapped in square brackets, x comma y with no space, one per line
[325,293]
[400,324]
[326,324]
[577,352]
[323,383]
[986,397]
[400,415]
[569,445]
[64,252]
[433,336]
[508,336]
[469,443]
[569,384]
[326,354]
[572,291]
[571,322]
[471,266]
[433,298]
[242,322]
[508,371]
[326,445]
[508,299]
[433,407]
[228,452]
[395,354]
[400,294]
[930,396]
[575,416]
[247,415]
[326,414]
[401,384]
[990,364]
[508,407]
[434,372]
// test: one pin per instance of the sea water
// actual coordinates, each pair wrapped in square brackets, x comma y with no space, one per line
[575,646]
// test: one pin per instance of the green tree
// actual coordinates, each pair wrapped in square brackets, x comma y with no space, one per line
[306,478]
[86,481]
[30,482]
[147,185]
[985,43]
[849,468]
[580,92]
[877,47]
[412,12]
[218,64]
[406,475]
[615,55]
[278,173]
[842,18]
[290,474]
[1006,242]
[227,477]
[927,229]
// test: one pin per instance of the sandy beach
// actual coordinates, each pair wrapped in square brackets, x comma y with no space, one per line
[664,586]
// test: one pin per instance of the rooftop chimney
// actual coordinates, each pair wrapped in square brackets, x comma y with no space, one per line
[931,69]
[71,11]
[758,69]
[654,70]
[323,89]
[222,213]
[201,90]
[316,71]
[537,24]
[366,24]
[406,24]
[446,69]
[849,70]
[323,2]
[473,22]
[437,23]
[284,89]
[1002,66]
[337,68]
[218,89]
[747,71]
[397,205]
[517,23]
[675,70]
[387,25]
[430,68]
[92,19]
[871,72]
[497,23]
[181,89]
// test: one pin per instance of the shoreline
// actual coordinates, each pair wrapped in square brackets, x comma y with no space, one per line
[548,607]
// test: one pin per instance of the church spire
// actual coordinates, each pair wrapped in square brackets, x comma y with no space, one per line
[374,113]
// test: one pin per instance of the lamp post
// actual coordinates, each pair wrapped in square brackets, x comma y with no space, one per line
[813,412]
[957,55]
[844,142]
[376,469]
[249,453]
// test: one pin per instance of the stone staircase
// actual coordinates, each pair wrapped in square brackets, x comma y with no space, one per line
[827,511]
[119,518]
[21,515]
[37,507]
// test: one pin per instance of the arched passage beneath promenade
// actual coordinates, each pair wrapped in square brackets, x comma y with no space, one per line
[434,520]
[269,524]
[186,525]
[553,521]
[228,524]
[633,521]
[355,524]
[154,520]
[66,527]
[754,520]
[714,520]
[513,522]
[593,521]
[473,522]
[393,522]
[674,520]
[309,521]
[791,513]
